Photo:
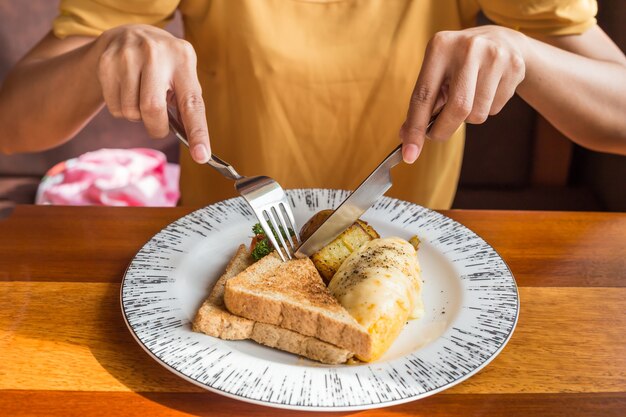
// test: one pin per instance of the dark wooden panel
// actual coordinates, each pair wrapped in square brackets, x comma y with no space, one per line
[498,153]
[552,156]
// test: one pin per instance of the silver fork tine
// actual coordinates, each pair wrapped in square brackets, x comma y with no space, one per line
[276,225]
[263,194]
[291,248]
[287,210]
[270,236]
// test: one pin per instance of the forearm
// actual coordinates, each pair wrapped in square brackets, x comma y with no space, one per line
[45,101]
[583,97]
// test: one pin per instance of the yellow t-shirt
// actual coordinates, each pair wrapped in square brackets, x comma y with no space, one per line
[313,92]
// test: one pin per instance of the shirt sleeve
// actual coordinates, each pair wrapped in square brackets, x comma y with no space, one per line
[92,17]
[542,17]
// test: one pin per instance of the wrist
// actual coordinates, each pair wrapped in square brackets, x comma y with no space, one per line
[527,51]
[523,45]
[101,43]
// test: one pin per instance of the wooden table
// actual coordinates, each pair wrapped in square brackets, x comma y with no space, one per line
[65,351]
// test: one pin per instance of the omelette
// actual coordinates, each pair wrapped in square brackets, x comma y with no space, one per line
[379,284]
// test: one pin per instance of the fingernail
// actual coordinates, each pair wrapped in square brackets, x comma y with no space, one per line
[409,153]
[200,153]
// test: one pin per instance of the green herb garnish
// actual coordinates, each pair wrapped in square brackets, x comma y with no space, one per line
[263,247]
[257,229]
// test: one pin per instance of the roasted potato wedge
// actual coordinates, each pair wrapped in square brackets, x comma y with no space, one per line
[415,241]
[328,259]
[314,222]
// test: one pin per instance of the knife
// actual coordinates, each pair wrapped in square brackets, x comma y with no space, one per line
[370,190]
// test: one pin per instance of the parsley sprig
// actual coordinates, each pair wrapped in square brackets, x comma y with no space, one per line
[263,247]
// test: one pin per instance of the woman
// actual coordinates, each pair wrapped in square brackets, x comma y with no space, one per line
[314,92]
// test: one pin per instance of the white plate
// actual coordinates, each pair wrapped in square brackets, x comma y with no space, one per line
[469,293]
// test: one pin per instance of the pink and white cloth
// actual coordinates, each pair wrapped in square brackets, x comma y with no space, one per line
[112,177]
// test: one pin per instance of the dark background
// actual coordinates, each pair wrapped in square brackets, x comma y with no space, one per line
[516,160]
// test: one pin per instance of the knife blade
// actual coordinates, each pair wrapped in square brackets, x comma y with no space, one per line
[370,190]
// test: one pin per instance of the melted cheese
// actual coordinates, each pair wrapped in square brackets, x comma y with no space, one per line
[379,285]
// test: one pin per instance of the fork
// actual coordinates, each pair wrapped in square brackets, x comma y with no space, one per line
[264,195]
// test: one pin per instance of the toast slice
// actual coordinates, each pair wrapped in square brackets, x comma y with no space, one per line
[213,319]
[292,295]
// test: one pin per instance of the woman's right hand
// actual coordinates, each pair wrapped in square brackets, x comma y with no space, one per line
[141,66]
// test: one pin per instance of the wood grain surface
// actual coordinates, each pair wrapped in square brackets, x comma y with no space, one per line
[65,350]
[80,404]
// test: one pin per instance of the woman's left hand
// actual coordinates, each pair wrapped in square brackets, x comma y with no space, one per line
[472,73]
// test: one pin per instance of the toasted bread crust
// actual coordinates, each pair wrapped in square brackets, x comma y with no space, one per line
[293,296]
[239,262]
[289,341]
[213,319]
[217,322]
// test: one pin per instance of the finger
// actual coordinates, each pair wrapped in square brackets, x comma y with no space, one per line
[459,105]
[512,77]
[153,101]
[111,95]
[486,88]
[441,100]
[129,86]
[191,109]
[171,98]
[506,89]
[109,82]
[423,99]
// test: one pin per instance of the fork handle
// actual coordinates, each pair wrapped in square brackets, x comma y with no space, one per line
[224,168]
[216,162]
